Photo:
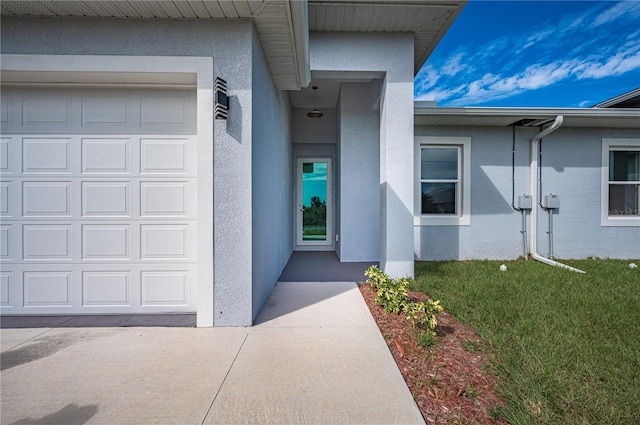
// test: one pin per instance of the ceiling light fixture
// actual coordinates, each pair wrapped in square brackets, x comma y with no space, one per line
[314,113]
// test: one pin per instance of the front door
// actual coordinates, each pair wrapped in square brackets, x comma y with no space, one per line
[314,223]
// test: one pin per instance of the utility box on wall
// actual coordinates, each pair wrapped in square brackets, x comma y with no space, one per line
[524,202]
[551,201]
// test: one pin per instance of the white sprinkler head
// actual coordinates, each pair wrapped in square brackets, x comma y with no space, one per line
[503,268]
[633,266]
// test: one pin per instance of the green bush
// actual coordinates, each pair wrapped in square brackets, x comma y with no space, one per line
[375,276]
[425,314]
[393,296]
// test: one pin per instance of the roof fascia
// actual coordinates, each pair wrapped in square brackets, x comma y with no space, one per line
[618,99]
[535,112]
[445,28]
[299,12]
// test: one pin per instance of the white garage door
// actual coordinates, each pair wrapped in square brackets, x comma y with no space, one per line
[98,201]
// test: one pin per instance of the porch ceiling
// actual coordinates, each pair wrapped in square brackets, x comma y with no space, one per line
[281,25]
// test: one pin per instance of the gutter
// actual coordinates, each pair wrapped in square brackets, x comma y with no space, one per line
[427,108]
[534,181]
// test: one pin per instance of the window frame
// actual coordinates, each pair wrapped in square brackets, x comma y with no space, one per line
[608,145]
[462,217]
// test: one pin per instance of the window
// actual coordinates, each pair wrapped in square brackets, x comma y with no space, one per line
[443,191]
[620,182]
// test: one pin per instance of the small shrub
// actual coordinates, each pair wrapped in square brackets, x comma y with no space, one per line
[425,314]
[393,296]
[376,277]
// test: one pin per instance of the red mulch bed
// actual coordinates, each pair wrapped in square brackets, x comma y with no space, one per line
[449,383]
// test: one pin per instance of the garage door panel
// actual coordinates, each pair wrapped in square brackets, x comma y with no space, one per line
[164,156]
[106,109]
[4,108]
[46,155]
[106,288]
[165,287]
[46,198]
[165,241]
[106,155]
[6,150]
[6,288]
[106,242]
[7,247]
[52,111]
[164,110]
[6,193]
[48,288]
[46,242]
[167,198]
[103,198]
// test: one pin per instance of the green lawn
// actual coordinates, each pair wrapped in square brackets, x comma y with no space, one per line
[566,345]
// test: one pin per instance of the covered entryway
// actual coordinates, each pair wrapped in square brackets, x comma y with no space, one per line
[99,200]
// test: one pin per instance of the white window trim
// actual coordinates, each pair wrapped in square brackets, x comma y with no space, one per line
[605,218]
[464,216]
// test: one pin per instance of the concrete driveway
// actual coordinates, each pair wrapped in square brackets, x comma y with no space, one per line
[315,356]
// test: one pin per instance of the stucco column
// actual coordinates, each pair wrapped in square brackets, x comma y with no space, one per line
[232,215]
[391,55]
[396,175]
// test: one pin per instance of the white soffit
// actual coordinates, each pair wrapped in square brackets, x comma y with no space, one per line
[281,25]
[428,20]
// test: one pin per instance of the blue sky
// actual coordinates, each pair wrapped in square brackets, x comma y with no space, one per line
[535,54]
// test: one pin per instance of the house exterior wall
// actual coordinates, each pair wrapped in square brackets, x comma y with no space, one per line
[571,168]
[272,196]
[359,187]
[391,55]
[230,44]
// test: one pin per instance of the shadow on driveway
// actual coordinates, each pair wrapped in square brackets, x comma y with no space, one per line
[68,415]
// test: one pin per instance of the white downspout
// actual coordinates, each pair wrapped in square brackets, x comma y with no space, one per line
[533,189]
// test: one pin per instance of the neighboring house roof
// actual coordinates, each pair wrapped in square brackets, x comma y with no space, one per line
[428,115]
[630,99]
[282,25]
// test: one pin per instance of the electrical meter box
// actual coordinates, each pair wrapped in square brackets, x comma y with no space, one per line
[524,202]
[551,201]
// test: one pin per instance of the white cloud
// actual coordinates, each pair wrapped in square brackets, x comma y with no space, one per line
[453,66]
[537,37]
[620,63]
[426,78]
[629,8]
[440,95]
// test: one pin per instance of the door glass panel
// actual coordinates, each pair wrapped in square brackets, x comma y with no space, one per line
[314,201]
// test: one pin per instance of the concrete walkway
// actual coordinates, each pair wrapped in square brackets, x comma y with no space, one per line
[315,356]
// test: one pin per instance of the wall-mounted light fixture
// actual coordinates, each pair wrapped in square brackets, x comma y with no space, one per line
[221,107]
[314,113]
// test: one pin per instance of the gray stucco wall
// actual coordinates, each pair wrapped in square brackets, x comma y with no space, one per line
[272,160]
[313,130]
[359,187]
[571,168]
[230,44]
